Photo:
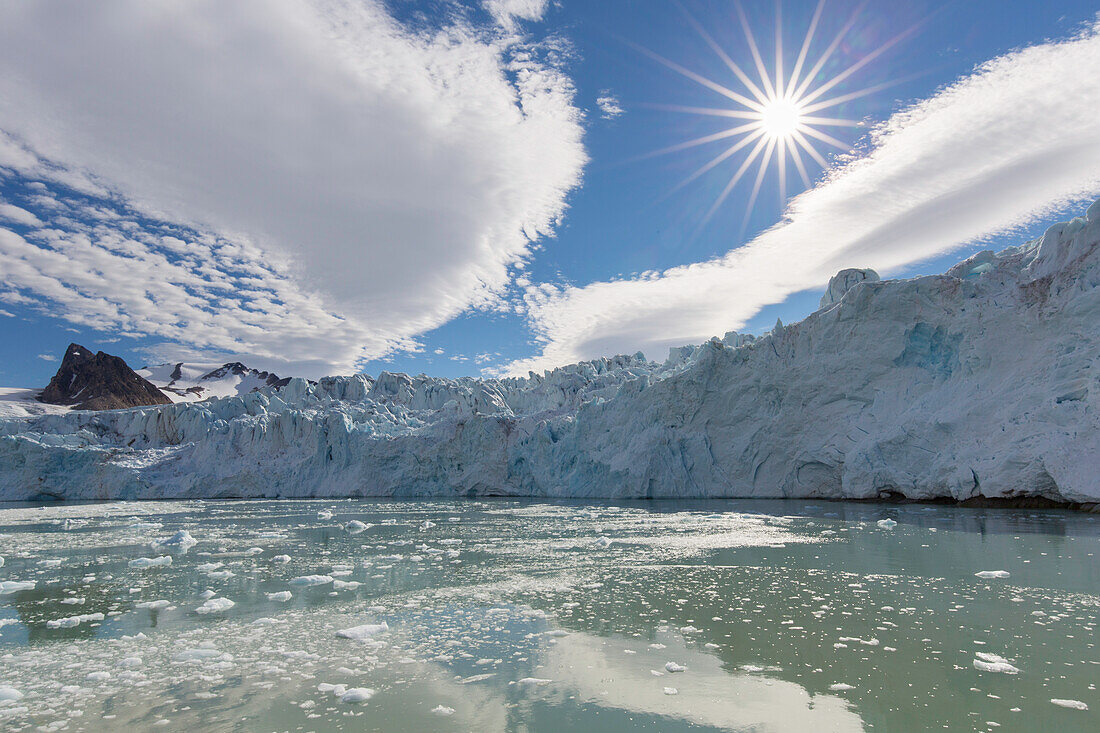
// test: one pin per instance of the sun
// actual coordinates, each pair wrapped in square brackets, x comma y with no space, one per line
[775,116]
[780,119]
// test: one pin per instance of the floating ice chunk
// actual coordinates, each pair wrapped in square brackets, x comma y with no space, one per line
[357,694]
[443,710]
[70,622]
[198,655]
[215,605]
[265,621]
[674,667]
[602,542]
[345,585]
[426,524]
[355,527]
[841,687]
[73,601]
[533,681]
[671,691]
[1072,704]
[993,663]
[220,574]
[992,574]
[14,586]
[308,580]
[886,523]
[1,561]
[151,562]
[182,541]
[282,596]
[99,676]
[9,694]
[154,605]
[132,662]
[325,514]
[281,559]
[364,632]
[207,594]
[208,567]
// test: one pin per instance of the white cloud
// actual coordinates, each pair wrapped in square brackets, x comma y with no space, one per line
[353,183]
[507,12]
[17,215]
[47,357]
[609,105]
[1002,147]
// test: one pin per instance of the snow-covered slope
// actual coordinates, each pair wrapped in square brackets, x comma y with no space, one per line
[191,382]
[21,402]
[984,381]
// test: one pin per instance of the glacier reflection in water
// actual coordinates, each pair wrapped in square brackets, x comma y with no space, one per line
[510,616]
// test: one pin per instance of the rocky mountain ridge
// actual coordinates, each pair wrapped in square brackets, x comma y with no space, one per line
[98,381]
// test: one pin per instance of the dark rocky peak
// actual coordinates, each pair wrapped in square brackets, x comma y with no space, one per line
[99,382]
[233,367]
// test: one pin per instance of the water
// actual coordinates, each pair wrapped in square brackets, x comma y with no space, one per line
[517,616]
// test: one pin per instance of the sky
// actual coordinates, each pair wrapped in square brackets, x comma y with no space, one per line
[489,187]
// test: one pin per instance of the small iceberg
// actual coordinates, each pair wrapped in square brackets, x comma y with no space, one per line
[181,541]
[142,563]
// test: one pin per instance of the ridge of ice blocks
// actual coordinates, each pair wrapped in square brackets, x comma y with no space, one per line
[882,391]
[73,621]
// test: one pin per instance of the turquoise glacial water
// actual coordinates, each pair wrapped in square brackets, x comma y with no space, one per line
[533,616]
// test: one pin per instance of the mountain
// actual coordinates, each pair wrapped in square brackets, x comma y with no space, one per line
[99,381]
[190,382]
[981,383]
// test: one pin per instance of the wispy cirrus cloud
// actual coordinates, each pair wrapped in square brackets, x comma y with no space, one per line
[1002,147]
[340,183]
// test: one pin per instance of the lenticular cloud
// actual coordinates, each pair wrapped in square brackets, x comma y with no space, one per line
[978,158]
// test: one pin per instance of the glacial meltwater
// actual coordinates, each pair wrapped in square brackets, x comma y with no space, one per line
[527,616]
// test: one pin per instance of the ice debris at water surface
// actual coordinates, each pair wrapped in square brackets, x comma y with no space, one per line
[717,615]
[980,382]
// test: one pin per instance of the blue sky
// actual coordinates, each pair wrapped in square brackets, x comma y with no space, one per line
[439,190]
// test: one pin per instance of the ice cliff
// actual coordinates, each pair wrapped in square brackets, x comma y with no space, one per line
[984,381]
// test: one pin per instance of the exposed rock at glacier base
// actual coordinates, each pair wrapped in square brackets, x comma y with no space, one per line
[982,382]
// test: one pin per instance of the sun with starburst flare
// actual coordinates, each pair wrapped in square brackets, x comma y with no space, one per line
[779,114]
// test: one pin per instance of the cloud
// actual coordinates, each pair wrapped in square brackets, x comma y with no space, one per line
[17,215]
[1002,147]
[47,357]
[609,105]
[507,12]
[342,180]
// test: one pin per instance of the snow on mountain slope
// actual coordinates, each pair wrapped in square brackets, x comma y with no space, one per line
[20,402]
[984,381]
[183,382]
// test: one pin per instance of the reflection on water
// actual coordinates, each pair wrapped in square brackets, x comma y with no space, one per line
[526,616]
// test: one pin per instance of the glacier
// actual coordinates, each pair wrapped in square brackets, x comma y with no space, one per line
[982,382]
